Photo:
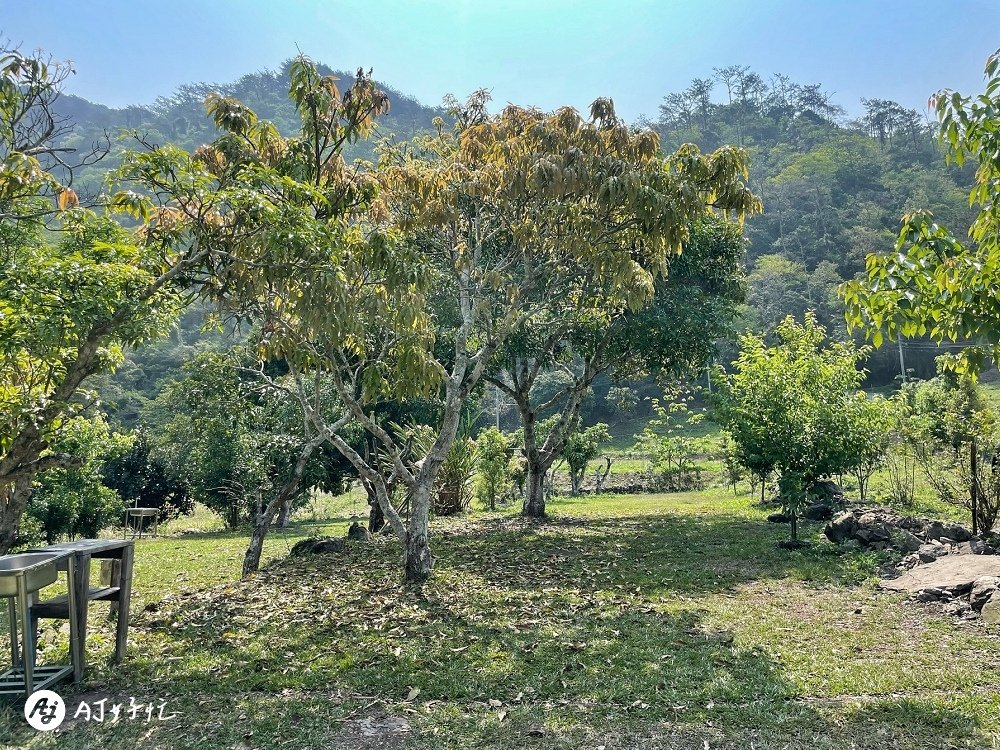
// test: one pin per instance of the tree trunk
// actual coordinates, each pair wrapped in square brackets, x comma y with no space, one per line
[376,518]
[284,515]
[281,502]
[534,489]
[251,560]
[418,562]
[15,500]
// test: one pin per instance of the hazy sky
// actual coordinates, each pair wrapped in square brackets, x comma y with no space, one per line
[541,52]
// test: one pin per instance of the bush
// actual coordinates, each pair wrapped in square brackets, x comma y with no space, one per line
[493,475]
[75,502]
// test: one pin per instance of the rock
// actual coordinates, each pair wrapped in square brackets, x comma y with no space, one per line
[991,611]
[818,512]
[979,547]
[931,552]
[910,561]
[841,528]
[358,533]
[904,541]
[932,594]
[954,574]
[982,589]
[872,527]
[958,608]
[947,533]
[827,491]
[779,518]
[317,546]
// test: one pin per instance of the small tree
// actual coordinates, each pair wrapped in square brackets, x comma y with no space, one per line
[672,450]
[582,447]
[788,407]
[869,426]
[493,455]
[73,500]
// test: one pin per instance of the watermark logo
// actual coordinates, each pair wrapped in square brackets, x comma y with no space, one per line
[44,710]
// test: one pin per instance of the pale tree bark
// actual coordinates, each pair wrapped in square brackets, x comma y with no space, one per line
[539,457]
[280,503]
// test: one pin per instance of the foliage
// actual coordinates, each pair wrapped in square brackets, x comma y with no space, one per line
[142,480]
[454,486]
[735,472]
[583,446]
[66,310]
[869,423]
[623,399]
[232,440]
[788,408]
[493,476]
[673,453]
[74,501]
[935,284]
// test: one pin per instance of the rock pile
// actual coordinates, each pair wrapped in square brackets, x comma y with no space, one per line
[879,528]
[942,561]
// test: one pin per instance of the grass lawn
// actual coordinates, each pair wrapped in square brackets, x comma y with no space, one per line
[656,621]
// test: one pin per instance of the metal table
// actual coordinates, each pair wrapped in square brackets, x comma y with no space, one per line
[116,587]
[21,577]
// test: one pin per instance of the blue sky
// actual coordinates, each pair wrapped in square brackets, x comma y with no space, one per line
[541,52]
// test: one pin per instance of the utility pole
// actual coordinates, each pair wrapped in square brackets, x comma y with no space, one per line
[902,364]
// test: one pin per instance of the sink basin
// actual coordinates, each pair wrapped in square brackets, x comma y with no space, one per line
[37,568]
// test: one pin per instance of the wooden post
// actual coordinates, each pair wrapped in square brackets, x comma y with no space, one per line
[974,465]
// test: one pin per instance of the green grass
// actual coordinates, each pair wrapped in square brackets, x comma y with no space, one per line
[654,621]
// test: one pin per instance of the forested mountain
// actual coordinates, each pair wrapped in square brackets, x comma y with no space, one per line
[181,119]
[833,188]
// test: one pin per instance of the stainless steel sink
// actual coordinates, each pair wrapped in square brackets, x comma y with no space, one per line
[38,569]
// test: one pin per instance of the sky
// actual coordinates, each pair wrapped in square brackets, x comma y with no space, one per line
[546,53]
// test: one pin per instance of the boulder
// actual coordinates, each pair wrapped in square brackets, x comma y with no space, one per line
[952,532]
[954,574]
[931,552]
[979,547]
[982,590]
[991,611]
[904,541]
[317,546]
[873,528]
[818,512]
[841,528]
[358,533]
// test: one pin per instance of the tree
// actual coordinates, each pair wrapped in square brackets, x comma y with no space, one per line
[74,500]
[935,284]
[869,423]
[583,446]
[788,407]
[591,332]
[493,452]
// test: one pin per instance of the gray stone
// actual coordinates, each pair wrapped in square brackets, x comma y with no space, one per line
[841,528]
[982,589]
[358,533]
[931,552]
[991,611]
[904,541]
[932,594]
[979,547]
[954,573]
[952,532]
[818,512]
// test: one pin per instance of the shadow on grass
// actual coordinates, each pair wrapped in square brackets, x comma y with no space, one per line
[551,634]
